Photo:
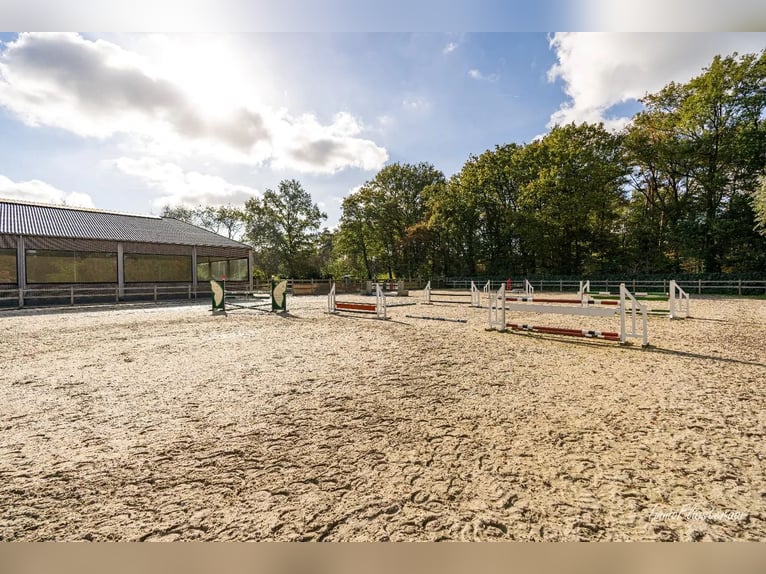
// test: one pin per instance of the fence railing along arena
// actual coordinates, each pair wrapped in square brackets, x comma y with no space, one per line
[633,322]
[275,300]
[677,299]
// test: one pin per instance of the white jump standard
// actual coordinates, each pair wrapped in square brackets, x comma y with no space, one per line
[676,298]
[378,308]
[627,305]
[475,295]
[528,289]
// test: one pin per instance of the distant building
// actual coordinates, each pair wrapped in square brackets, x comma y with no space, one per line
[116,254]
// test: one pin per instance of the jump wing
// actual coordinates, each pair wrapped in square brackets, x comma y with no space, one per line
[217,290]
[278,296]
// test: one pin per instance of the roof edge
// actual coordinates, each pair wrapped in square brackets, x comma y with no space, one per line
[77,208]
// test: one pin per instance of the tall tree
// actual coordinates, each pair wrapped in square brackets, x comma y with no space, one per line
[224,218]
[708,145]
[759,206]
[283,228]
[213,218]
[575,198]
[454,222]
[477,214]
[357,244]
[382,217]
[179,212]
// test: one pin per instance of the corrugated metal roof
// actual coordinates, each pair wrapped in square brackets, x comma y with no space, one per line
[31,219]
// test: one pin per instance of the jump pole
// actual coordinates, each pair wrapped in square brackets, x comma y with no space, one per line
[437,318]
[582,302]
[474,294]
[378,308]
[608,335]
[629,310]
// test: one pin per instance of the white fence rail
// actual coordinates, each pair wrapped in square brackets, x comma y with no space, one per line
[11,297]
[694,286]
[79,294]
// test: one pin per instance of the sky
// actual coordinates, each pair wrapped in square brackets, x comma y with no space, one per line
[133,121]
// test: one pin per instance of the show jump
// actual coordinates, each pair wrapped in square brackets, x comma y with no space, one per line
[275,301]
[633,323]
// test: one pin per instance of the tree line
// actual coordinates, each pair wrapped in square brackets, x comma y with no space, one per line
[682,189]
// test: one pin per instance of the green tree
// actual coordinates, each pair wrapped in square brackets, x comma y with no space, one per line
[223,218]
[454,223]
[477,216]
[573,203]
[357,247]
[381,220]
[213,218]
[698,149]
[495,180]
[759,206]
[283,228]
[179,212]
[659,199]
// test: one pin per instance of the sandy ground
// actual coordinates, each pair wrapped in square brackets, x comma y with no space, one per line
[166,423]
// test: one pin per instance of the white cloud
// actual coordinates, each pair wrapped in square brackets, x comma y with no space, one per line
[449,48]
[41,192]
[307,145]
[416,104]
[179,187]
[384,122]
[98,89]
[477,75]
[600,70]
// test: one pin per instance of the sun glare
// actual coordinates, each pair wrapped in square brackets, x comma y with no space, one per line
[208,69]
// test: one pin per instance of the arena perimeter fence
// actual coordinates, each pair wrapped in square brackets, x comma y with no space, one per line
[738,287]
[52,295]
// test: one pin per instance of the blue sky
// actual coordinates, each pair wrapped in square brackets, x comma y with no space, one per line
[130,122]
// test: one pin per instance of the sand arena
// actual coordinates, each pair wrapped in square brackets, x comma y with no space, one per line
[166,423]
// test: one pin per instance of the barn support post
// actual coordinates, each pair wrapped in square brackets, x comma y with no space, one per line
[194,270]
[21,269]
[120,272]
[250,266]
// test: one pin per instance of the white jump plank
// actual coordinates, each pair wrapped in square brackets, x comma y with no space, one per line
[561,309]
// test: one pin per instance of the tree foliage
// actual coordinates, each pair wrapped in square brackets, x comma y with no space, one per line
[681,189]
[381,222]
[759,206]
[551,206]
[284,229]
[218,219]
[697,150]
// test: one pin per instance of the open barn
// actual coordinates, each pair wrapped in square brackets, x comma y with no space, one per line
[54,255]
